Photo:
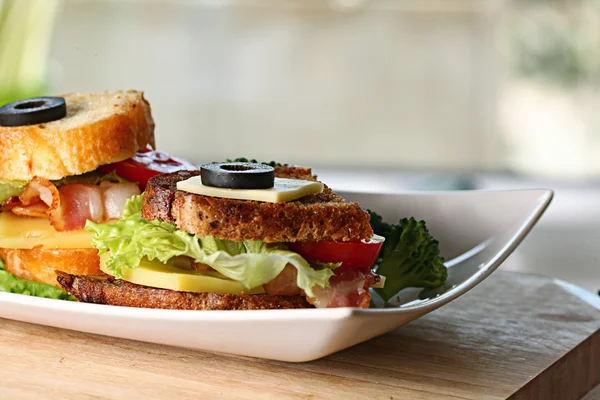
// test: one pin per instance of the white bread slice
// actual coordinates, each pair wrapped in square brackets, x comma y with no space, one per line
[40,265]
[100,128]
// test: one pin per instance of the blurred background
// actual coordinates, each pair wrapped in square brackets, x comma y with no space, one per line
[376,95]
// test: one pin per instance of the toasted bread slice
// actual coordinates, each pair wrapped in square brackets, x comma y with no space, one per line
[325,216]
[99,129]
[104,289]
[39,264]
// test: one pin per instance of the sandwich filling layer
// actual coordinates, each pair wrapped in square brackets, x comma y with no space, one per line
[70,202]
[41,221]
[18,232]
[252,264]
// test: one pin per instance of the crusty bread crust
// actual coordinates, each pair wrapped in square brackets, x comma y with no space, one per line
[99,129]
[325,216]
[295,173]
[104,289]
[39,264]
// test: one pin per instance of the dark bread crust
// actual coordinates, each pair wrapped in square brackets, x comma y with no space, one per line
[104,289]
[325,216]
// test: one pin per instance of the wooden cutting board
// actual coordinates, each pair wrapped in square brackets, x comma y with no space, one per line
[514,336]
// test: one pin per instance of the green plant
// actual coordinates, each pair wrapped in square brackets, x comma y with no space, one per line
[25,32]
[556,41]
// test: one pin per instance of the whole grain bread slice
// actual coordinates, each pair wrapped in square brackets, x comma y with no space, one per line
[100,128]
[104,289]
[325,216]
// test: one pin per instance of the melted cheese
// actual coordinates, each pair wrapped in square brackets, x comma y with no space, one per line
[167,276]
[284,190]
[26,233]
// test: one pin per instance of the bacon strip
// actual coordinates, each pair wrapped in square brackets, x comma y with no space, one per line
[284,284]
[37,210]
[71,205]
[37,198]
[348,288]
[114,196]
[78,203]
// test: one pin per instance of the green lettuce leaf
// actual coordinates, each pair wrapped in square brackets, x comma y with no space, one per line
[91,178]
[211,245]
[113,177]
[322,265]
[133,207]
[11,284]
[252,263]
[10,188]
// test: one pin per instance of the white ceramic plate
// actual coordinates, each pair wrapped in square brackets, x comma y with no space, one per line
[477,231]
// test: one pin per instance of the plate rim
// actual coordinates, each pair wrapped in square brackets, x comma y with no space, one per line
[546,195]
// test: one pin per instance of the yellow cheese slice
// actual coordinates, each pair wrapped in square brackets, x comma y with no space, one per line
[165,276]
[26,233]
[284,190]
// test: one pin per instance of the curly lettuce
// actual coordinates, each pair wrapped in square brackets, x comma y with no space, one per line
[252,263]
[10,188]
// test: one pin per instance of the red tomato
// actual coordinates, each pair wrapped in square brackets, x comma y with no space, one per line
[350,254]
[146,164]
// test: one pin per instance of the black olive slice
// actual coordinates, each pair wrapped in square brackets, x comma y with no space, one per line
[238,175]
[33,111]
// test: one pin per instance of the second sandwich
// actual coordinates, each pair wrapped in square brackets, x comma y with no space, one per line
[234,236]
[63,161]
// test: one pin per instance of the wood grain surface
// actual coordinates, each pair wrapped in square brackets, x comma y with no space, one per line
[514,336]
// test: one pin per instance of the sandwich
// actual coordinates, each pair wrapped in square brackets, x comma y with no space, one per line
[244,235]
[65,161]
[76,223]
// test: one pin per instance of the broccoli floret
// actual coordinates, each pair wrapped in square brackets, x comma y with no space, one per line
[410,256]
[379,227]
[271,163]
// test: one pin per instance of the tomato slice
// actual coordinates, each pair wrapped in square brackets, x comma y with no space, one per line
[146,164]
[351,254]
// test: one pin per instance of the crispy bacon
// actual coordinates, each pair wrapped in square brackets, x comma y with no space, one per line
[348,288]
[71,205]
[37,210]
[37,198]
